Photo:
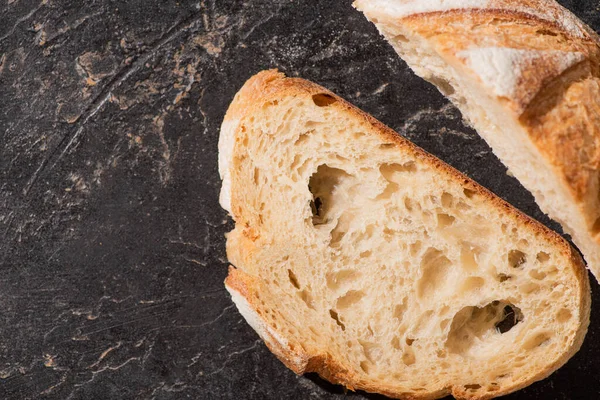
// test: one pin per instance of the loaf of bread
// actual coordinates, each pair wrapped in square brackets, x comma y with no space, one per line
[526,75]
[361,257]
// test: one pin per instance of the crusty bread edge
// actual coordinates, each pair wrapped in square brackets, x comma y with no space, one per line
[270,85]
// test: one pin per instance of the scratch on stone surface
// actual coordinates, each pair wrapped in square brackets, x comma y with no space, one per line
[50,389]
[262,21]
[208,323]
[104,354]
[230,357]
[381,88]
[100,371]
[204,116]
[164,170]
[22,19]
[2,61]
[50,331]
[149,351]
[67,141]
[176,387]
[229,307]
[183,242]
[42,37]
[193,260]
[144,313]
[195,359]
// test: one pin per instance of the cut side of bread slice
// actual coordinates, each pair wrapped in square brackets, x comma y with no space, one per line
[526,76]
[361,257]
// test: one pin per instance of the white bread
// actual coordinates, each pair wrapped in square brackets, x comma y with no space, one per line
[365,259]
[526,76]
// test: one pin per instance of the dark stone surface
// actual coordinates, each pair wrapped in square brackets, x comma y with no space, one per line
[112,256]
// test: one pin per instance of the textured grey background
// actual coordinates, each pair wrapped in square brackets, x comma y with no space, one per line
[112,255]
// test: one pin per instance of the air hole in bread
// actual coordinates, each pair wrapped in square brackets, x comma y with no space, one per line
[293,279]
[400,39]
[469,257]
[445,220]
[444,324]
[596,227]
[408,358]
[365,366]
[538,340]
[447,200]
[546,32]
[473,326]
[390,171]
[396,343]
[303,138]
[462,206]
[409,341]
[415,248]
[322,185]
[323,99]
[389,191]
[511,317]
[563,315]
[341,279]
[387,146]
[307,298]
[542,257]
[472,387]
[503,278]
[529,287]
[372,351]
[334,315]
[315,206]
[365,254]
[399,310]
[349,299]
[340,229]
[409,204]
[516,258]
[435,266]
[472,283]
[536,274]
[256,176]
[469,193]
[443,85]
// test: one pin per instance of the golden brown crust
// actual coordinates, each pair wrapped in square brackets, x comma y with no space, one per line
[271,86]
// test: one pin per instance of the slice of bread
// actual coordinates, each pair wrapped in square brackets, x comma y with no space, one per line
[365,259]
[525,74]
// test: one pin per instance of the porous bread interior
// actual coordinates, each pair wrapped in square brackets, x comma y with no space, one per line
[508,139]
[369,253]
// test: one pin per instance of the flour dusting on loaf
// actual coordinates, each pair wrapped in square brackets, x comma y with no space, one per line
[502,68]
[400,9]
[542,9]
